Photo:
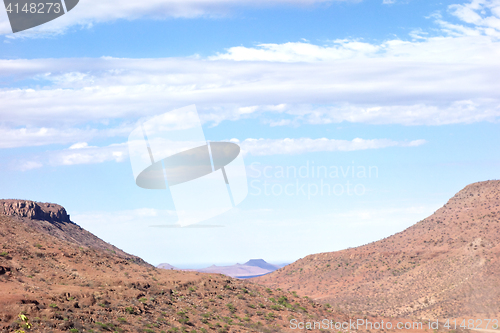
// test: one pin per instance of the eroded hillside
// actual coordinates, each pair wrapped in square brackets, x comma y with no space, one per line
[445,266]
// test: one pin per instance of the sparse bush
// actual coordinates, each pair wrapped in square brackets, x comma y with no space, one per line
[231,307]
[270,316]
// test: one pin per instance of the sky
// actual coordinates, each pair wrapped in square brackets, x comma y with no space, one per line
[398,100]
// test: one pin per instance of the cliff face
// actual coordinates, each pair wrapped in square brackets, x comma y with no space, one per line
[34,210]
[51,219]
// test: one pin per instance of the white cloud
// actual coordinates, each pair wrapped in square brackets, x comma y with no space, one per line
[89,12]
[21,137]
[76,154]
[79,154]
[259,147]
[390,90]
[439,49]
[82,153]
[447,79]
[29,165]
[300,51]
[41,136]
[79,145]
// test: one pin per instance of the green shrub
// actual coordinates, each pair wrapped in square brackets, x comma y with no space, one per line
[270,316]
[231,307]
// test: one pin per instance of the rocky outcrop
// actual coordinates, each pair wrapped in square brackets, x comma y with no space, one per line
[34,210]
[52,219]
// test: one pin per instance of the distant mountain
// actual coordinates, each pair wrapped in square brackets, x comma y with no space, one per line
[167,266]
[252,268]
[445,266]
[262,264]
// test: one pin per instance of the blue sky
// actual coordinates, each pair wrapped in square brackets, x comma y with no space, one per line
[409,88]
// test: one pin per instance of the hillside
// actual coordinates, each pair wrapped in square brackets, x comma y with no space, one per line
[445,266]
[63,278]
[52,219]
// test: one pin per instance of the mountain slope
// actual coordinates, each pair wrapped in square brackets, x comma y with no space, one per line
[447,265]
[59,284]
[52,219]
